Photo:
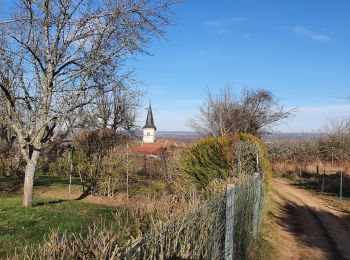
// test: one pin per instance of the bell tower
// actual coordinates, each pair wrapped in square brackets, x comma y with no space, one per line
[149,130]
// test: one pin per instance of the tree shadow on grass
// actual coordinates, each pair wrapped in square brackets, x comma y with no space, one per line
[51,202]
[83,196]
[14,185]
[49,180]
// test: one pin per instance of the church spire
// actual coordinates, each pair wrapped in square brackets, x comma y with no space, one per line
[149,120]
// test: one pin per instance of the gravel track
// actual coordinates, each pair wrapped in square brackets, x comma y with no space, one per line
[311,229]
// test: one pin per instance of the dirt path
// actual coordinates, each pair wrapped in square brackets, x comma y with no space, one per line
[306,228]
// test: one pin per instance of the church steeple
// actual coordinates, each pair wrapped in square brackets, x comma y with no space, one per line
[149,130]
[149,120]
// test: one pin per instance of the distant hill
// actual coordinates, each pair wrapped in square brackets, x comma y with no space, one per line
[178,134]
[290,136]
[268,137]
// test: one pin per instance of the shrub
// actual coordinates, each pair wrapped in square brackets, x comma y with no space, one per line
[206,161]
[225,157]
[263,154]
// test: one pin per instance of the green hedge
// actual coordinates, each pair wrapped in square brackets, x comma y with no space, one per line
[211,158]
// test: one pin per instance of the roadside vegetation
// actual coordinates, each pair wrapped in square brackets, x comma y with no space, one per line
[320,163]
[165,189]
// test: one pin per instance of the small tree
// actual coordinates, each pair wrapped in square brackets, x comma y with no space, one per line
[91,149]
[225,114]
[115,110]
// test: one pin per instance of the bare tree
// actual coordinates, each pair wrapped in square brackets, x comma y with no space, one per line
[56,54]
[115,110]
[224,114]
[335,141]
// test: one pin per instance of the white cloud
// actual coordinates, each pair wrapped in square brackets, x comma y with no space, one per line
[214,51]
[157,90]
[225,22]
[223,25]
[332,110]
[301,30]
[314,118]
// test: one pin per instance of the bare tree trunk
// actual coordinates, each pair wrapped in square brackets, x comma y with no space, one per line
[332,160]
[29,180]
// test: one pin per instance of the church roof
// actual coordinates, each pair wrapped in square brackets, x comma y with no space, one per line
[149,120]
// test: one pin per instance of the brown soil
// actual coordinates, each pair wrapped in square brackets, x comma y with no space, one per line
[306,227]
[120,200]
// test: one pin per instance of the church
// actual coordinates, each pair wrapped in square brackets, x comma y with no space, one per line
[149,130]
[150,144]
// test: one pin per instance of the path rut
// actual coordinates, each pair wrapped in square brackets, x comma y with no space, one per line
[315,231]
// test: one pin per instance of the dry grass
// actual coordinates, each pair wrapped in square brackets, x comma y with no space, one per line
[189,226]
[328,168]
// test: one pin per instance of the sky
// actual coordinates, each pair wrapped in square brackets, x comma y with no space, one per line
[297,49]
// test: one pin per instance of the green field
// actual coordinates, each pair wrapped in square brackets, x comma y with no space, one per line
[20,226]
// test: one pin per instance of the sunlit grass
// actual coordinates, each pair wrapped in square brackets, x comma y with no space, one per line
[20,226]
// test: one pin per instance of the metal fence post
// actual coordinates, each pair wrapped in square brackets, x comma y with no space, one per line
[229,229]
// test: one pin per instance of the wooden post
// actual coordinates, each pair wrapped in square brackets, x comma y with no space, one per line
[341,185]
[324,174]
[229,228]
[71,167]
[317,174]
[109,186]
[300,175]
[127,170]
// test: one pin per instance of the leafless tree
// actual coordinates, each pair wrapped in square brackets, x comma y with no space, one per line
[115,110]
[331,145]
[7,136]
[224,114]
[56,54]
[335,142]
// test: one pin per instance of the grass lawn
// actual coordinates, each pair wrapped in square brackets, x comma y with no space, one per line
[12,184]
[20,226]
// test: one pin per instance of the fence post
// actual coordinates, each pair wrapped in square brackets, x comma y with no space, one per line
[341,185]
[70,155]
[229,229]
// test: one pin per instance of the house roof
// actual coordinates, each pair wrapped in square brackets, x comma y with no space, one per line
[151,149]
[149,120]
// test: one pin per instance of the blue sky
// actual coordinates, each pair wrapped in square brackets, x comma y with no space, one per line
[298,49]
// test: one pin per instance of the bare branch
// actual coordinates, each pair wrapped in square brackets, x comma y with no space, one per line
[226,114]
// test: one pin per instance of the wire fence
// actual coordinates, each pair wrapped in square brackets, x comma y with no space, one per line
[243,215]
[220,229]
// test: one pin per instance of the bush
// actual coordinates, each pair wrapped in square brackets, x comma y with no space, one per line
[206,160]
[225,157]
